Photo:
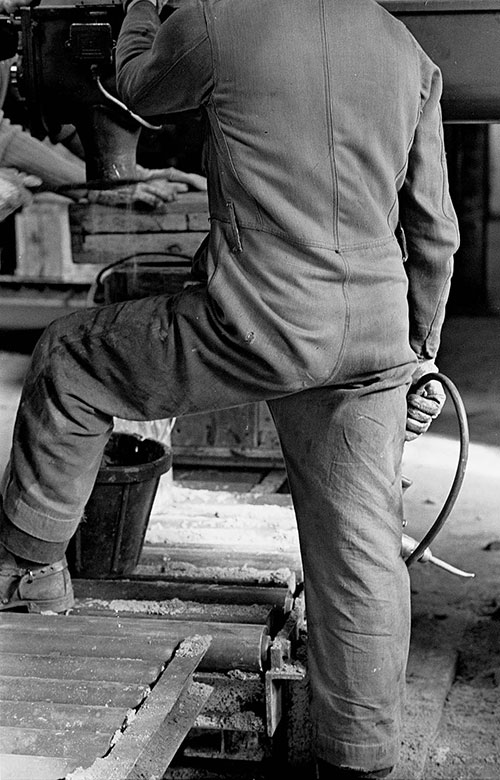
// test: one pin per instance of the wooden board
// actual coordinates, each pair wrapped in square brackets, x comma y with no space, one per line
[68,683]
[102,234]
[150,741]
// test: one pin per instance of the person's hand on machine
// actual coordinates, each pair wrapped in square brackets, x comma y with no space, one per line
[157,187]
[11,6]
[425,403]
[14,190]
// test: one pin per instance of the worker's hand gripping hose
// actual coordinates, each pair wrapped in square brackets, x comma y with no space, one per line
[412,550]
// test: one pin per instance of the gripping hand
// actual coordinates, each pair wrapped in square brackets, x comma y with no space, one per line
[424,404]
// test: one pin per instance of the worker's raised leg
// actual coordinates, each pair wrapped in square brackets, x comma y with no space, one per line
[139,360]
[343,449]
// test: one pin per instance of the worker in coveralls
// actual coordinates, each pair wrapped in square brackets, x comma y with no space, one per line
[322,290]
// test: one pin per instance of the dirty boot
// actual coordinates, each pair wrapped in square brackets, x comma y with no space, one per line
[37,587]
[329,772]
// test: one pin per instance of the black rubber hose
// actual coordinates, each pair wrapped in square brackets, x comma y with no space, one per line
[461,466]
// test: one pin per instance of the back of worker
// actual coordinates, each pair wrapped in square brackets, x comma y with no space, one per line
[313,111]
[317,110]
[313,115]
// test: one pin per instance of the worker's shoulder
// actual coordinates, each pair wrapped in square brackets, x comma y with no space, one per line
[381,28]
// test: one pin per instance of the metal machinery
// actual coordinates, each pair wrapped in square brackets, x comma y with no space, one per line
[258,711]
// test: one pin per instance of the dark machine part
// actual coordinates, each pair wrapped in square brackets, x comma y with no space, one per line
[463,38]
[8,38]
[68,49]
[67,54]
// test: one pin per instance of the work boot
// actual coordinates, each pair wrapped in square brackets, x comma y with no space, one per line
[330,772]
[37,587]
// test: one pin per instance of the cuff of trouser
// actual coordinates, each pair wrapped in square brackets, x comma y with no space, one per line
[364,758]
[35,522]
[30,548]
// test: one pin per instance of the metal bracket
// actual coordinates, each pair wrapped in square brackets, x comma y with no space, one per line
[283,668]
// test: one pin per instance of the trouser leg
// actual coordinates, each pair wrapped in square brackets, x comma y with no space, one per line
[140,360]
[343,448]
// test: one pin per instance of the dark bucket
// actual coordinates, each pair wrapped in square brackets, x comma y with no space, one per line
[109,540]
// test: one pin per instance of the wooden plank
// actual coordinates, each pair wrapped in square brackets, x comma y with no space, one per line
[107,248]
[21,767]
[226,456]
[237,480]
[188,212]
[126,751]
[185,571]
[271,482]
[174,610]
[164,744]
[271,569]
[61,743]
[53,715]
[160,590]
[93,693]
[80,668]
[103,646]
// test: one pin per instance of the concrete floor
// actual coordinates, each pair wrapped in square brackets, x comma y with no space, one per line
[454,704]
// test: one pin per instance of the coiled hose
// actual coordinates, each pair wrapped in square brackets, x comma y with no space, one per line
[452,496]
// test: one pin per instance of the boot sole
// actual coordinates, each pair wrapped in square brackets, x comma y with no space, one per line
[62,604]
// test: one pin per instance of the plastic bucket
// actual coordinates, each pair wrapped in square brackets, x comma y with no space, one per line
[109,540]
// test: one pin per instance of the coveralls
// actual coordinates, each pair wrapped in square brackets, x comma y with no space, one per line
[323,144]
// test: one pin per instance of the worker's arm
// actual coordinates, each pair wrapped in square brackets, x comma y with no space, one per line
[431,231]
[18,149]
[163,68]
[429,222]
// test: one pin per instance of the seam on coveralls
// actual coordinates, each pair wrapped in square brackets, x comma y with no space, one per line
[375,243]
[347,320]
[219,133]
[216,126]
[329,119]
[404,166]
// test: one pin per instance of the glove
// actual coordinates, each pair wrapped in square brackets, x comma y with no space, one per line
[425,404]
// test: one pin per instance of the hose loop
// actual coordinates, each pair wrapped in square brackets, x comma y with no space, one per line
[452,496]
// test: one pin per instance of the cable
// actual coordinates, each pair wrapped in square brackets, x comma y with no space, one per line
[94,295]
[461,466]
[121,105]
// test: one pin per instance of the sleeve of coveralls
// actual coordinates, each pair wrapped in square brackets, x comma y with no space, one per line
[429,223]
[163,68]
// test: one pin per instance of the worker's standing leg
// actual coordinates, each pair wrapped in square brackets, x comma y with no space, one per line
[343,449]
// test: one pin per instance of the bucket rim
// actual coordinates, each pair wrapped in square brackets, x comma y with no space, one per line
[136,472]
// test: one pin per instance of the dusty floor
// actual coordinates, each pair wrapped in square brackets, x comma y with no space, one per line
[454,677]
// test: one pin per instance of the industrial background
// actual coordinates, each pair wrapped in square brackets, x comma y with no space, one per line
[208,547]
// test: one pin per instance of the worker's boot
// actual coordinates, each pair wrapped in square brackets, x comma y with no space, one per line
[37,587]
[329,772]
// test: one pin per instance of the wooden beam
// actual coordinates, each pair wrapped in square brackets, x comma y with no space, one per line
[128,752]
